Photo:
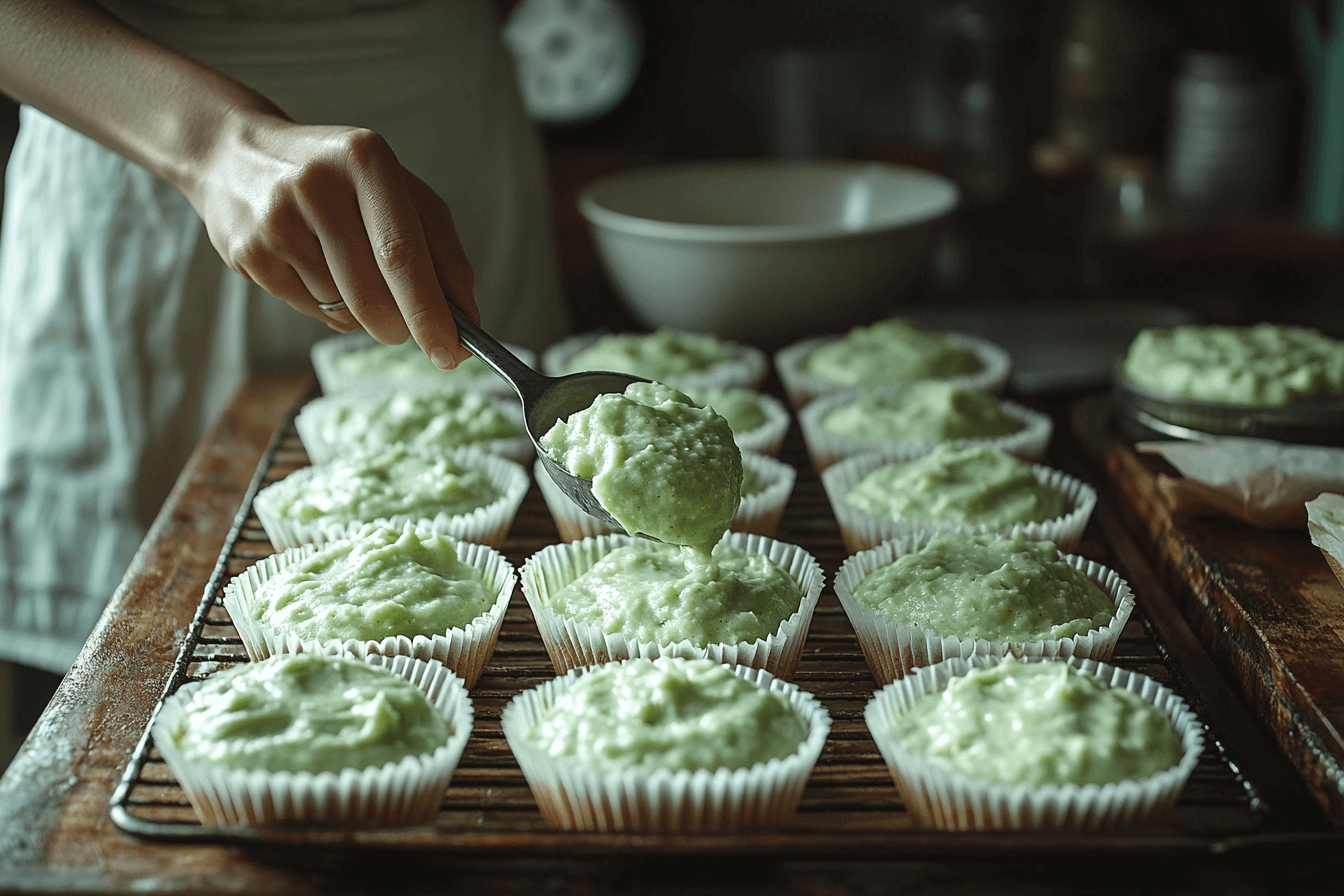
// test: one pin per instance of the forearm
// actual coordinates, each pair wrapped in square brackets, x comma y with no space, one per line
[82,66]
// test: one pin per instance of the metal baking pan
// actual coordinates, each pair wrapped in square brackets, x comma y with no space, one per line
[1147,414]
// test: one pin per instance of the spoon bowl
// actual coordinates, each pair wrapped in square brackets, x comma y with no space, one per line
[546,400]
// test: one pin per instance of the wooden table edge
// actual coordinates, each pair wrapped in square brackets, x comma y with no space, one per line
[55,793]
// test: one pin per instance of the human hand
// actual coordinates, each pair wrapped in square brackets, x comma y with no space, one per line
[325,215]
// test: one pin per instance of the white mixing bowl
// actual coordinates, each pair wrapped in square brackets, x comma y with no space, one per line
[766,252]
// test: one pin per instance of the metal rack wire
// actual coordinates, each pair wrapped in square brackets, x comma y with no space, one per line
[849,808]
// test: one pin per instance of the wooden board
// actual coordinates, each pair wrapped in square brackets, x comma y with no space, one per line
[1263,602]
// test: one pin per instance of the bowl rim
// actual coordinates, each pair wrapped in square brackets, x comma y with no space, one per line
[599,215]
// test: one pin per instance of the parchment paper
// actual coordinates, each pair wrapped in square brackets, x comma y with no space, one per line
[1258,481]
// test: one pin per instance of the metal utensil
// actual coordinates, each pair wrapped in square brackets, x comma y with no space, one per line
[547,399]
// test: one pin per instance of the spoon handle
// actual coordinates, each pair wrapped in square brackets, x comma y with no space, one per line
[524,380]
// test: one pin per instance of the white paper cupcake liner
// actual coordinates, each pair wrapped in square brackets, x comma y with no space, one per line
[464,650]
[314,418]
[336,382]
[938,797]
[801,387]
[574,797]
[746,369]
[862,530]
[759,514]
[895,649]
[572,644]
[1332,548]
[825,448]
[767,438]
[487,525]
[406,792]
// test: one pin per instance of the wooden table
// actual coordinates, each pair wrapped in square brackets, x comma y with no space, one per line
[56,834]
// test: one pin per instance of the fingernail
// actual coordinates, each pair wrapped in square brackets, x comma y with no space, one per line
[443,359]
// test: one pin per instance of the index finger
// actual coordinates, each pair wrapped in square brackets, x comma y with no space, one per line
[402,253]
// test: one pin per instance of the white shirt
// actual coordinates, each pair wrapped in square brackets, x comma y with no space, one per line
[122,333]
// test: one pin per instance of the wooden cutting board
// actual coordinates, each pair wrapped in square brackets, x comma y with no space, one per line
[1264,602]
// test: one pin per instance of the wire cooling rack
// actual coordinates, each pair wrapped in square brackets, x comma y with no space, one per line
[850,807]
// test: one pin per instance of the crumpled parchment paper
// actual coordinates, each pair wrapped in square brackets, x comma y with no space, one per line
[1325,522]
[1257,481]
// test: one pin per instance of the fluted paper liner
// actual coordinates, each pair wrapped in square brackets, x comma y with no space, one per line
[759,514]
[825,448]
[801,387]
[767,438]
[337,382]
[406,792]
[314,418]
[895,649]
[464,650]
[939,797]
[572,796]
[862,530]
[573,644]
[746,367]
[487,525]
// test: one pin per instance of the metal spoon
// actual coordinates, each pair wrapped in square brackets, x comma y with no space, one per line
[546,399]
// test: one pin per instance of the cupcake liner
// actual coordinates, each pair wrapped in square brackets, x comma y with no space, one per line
[464,650]
[938,797]
[746,369]
[315,416]
[862,530]
[406,792]
[801,387]
[767,438]
[574,797]
[571,520]
[825,448]
[487,525]
[572,644]
[1332,548]
[895,649]
[336,382]
[759,514]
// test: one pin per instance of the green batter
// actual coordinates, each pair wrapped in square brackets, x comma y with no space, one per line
[928,412]
[980,587]
[393,482]
[431,418]
[753,483]
[971,485]
[740,407]
[890,351]
[307,712]
[1040,724]
[649,592]
[669,713]
[1266,365]
[663,355]
[403,361]
[381,583]
[660,464]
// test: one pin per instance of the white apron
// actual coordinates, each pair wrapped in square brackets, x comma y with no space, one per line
[122,333]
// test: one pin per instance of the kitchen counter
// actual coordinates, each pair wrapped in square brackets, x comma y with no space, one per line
[56,834]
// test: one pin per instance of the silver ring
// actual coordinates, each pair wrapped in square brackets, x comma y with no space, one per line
[332,307]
